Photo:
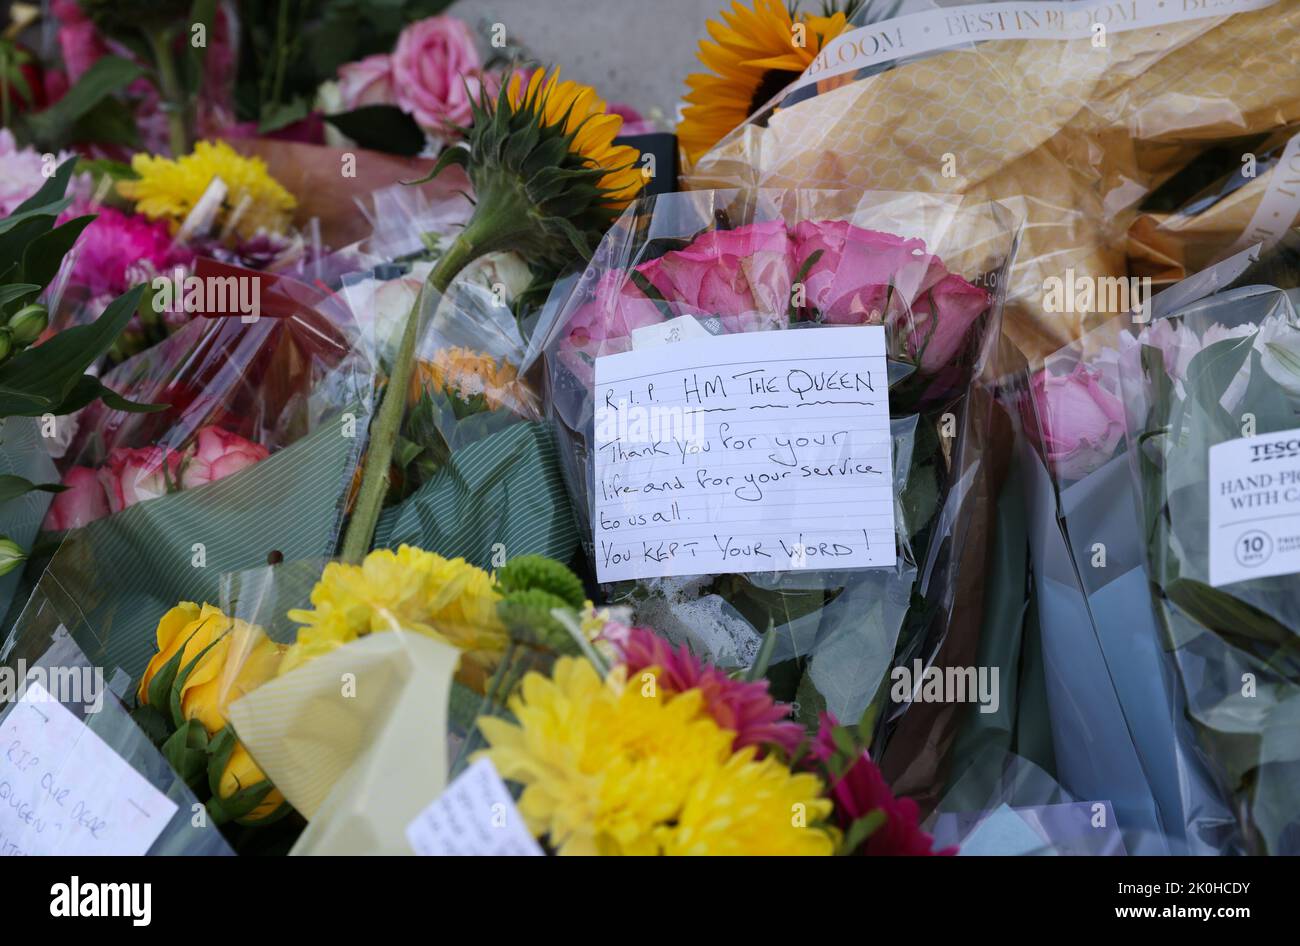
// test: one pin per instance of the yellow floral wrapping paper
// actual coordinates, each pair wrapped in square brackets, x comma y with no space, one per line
[1070,135]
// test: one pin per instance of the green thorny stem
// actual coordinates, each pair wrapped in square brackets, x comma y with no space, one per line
[173,95]
[392,406]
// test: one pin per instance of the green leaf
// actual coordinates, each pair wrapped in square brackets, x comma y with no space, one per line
[44,255]
[17,291]
[861,830]
[187,752]
[158,694]
[11,487]
[1285,356]
[381,128]
[280,115]
[108,76]
[1211,372]
[43,377]
[51,191]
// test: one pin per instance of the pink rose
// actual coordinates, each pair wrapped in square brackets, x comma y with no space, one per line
[604,325]
[367,82]
[436,72]
[940,320]
[133,475]
[216,454]
[728,272]
[851,275]
[1079,422]
[83,501]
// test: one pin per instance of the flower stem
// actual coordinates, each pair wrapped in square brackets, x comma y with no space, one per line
[169,87]
[392,406]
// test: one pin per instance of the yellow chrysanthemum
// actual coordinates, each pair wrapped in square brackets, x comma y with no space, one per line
[466,374]
[609,767]
[756,52]
[169,188]
[582,113]
[750,806]
[410,590]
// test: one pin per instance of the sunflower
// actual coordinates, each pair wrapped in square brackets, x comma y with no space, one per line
[755,54]
[548,178]
[548,182]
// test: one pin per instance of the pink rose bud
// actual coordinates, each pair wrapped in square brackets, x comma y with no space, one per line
[436,71]
[133,475]
[83,501]
[216,454]
[367,82]
[1080,422]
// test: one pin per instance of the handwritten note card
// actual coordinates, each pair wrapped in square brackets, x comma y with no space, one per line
[474,817]
[63,790]
[759,452]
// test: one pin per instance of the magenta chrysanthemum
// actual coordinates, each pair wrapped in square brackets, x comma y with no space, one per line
[745,708]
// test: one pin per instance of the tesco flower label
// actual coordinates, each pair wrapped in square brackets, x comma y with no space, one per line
[759,452]
[1255,507]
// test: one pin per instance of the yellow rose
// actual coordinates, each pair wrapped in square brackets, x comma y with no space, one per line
[242,772]
[241,662]
[185,626]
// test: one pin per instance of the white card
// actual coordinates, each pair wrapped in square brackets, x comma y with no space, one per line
[1255,507]
[64,791]
[474,817]
[757,452]
[670,332]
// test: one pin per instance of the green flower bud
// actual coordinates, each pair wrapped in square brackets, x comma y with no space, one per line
[28,322]
[6,343]
[11,556]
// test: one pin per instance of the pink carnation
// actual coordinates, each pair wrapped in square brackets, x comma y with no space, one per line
[119,250]
[745,708]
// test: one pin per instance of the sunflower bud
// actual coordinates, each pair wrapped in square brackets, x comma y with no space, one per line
[11,555]
[27,324]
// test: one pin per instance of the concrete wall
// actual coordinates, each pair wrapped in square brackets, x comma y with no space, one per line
[633,51]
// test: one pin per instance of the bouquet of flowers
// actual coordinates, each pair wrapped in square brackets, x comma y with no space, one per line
[1116,704]
[640,748]
[1212,414]
[724,265]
